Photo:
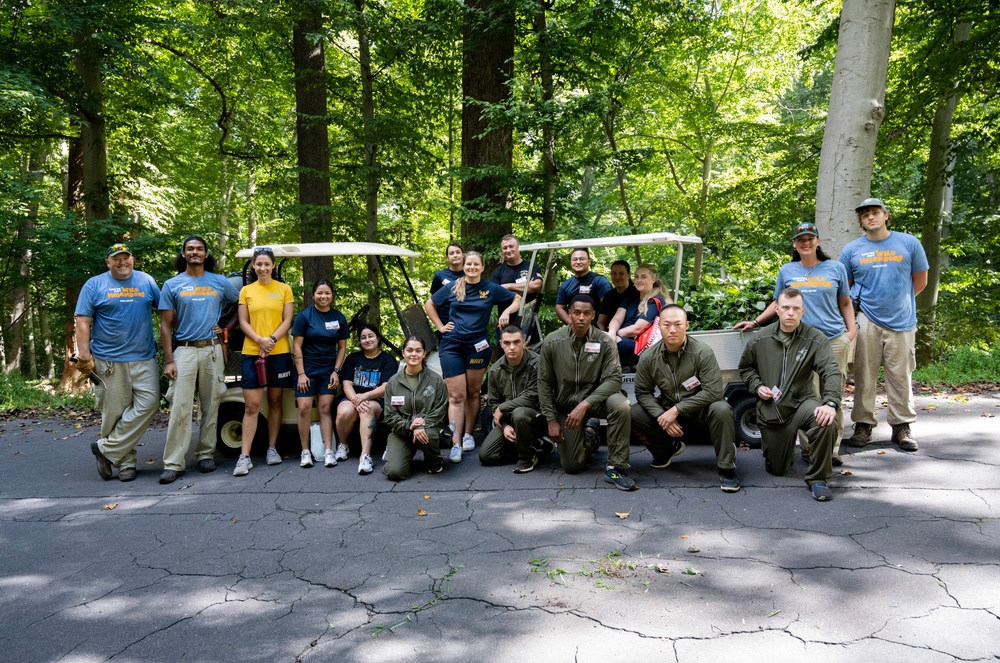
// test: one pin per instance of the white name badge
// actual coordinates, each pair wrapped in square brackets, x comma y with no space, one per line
[584,289]
[592,347]
[333,325]
[521,280]
[482,345]
[691,382]
[398,400]
[775,394]
[446,282]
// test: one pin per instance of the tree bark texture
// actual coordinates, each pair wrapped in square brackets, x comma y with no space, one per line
[487,66]
[74,196]
[857,106]
[312,141]
[371,170]
[19,295]
[550,172]
[93,131]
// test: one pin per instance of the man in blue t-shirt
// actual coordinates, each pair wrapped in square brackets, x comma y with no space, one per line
[887,270]
[512,274]
[583,282]
[114,337]
[190,307]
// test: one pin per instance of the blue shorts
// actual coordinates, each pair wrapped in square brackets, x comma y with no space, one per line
[458,357]
[279,371]
[319,383]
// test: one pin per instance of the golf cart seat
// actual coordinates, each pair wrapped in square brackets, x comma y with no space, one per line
[417,324]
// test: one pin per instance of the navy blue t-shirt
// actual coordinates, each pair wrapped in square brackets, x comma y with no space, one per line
[366,374]
[472,316]
[628,300]
[591,283]
[444,278]
[519,274]
[652,310]
[321,333]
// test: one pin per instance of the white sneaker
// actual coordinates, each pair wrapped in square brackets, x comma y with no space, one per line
[365,464]
[306,458]
[329,459]
[456,455]
[273,457]
[243,466]
[468,442]
[342,452]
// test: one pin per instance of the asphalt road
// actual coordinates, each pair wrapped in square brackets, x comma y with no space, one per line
[479,564]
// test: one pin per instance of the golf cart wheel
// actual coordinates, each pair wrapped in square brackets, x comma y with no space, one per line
[745,415]
[229,431]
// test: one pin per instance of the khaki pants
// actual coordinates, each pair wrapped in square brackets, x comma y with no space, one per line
[201,369]
[128,394]
[574,455]
[842,349]
[716,420]
[894,352]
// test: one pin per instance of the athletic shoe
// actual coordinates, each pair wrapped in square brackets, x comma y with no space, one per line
[169,476]
[104,466]
[729,482]
[619,479]
[273,457]
[329,459]
[456,455]
[821,492]
[468,442]
[659,462]
[862,436]
[365,465]
[343,451]
[243,466]
[545,445]
[591,440]
[206,465]
[901,436]
[306,458]
[837,461]
[525,466]
[126,474]
[436,469]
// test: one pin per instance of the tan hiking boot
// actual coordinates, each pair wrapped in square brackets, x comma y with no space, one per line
[901,436]
[862,436]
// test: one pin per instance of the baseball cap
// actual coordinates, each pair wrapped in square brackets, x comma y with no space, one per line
[115,249]
[805,228]
[870,202]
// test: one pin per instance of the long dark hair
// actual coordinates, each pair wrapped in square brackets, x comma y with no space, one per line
[820,255]
[180,263]
[423,345]
[262,251]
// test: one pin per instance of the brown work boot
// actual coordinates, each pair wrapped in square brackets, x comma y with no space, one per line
[862,436]
[901,436]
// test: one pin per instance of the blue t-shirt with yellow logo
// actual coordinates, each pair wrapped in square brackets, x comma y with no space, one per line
[197,301]
[820,285]
[882,273]
[472,316]
[123,315]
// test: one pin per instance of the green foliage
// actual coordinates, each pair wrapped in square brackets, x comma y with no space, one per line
[37,397]
[963,364]
[721,303]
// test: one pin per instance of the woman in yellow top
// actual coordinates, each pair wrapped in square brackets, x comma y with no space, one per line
[265,313]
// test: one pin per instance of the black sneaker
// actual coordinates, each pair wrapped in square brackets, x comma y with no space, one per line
[436,469]
[545,446]
[729,482]
[104,467]
[169,476]
[619,479]
[525,466]
[821,492]
[206,465]
[659,462]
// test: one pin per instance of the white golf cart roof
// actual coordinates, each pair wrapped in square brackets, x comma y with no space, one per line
[618,240]
[321,249]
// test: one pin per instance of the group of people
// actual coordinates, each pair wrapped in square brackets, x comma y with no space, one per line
[555,396]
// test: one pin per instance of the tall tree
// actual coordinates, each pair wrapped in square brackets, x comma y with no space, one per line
[857,106]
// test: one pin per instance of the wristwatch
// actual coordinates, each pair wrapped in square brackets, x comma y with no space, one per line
[832,403]
[273,339]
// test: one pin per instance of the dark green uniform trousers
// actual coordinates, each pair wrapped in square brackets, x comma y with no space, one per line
[778,443]
[716,419]
[399,452]
[528,425]
[574,453]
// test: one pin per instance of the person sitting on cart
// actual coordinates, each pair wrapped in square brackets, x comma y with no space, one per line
[691,400]
[633,329]
[622,293]
[512,274]
[583,282]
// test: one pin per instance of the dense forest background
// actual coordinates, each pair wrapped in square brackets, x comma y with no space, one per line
[413,122]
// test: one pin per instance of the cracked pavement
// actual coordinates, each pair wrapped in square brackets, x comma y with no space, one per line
[292,564]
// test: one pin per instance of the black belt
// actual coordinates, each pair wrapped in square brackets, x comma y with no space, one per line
[199,344]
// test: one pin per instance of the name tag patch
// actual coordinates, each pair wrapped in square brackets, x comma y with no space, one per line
[521,280]
[592,347]
[398,400]
[332,325]
[691,382]
[584,289]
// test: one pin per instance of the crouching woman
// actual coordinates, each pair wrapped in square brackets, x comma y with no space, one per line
[416,409]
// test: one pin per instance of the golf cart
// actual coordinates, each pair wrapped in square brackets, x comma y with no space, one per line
[727,344]
[409,315]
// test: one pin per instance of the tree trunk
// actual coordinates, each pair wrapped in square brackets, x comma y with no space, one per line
[550,173]
[251,191]
[228,184]
[702,212]
[44,334]
[371,170]
[609,131]
[312,140]
[857,106]
[22,261]
[937,210]
[74,197]
[93,134]
[487,66]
